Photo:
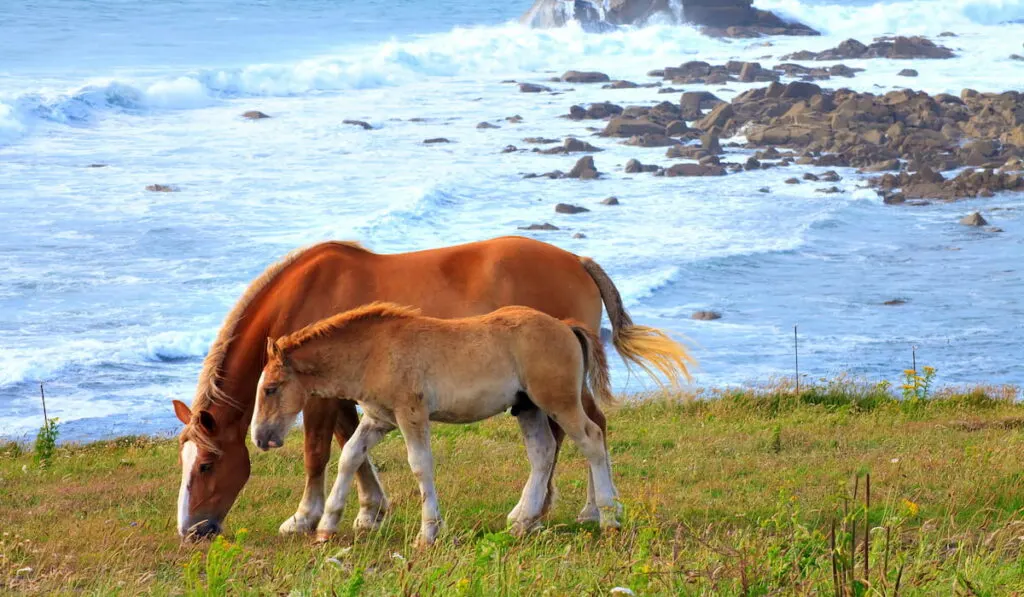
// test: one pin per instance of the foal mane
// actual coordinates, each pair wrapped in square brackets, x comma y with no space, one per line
[208,391]
[374,311]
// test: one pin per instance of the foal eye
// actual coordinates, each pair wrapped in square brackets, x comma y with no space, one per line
[205,467]
[270,390]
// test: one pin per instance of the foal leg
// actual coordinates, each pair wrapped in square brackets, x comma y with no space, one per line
[318,419]
[373,504]
[353,455]
[540,448]
[590,512]
[590,439]
[415,428]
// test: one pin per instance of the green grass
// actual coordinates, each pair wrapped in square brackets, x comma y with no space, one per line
[736,494]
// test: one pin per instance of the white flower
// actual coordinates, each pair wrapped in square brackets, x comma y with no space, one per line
[894,460]
[335,561]
[623,591]
[397,556]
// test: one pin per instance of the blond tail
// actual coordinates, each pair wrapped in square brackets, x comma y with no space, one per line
[648,348]
[595,365]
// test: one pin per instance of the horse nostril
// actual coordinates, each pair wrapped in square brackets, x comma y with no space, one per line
[202,530]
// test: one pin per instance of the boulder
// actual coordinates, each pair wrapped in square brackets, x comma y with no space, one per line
[975,219]
[622,126]
[570,145]
[568,208]
[634,166]
[575,76]
[254,115]
[899,47]
[532,88]
[584,169]
[694,170]
[365,125]
[706,315]
[161,188]
[544,226]
[610,201]
[907,72]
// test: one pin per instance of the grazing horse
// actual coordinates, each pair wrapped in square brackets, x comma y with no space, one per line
[407,370]
[327,278]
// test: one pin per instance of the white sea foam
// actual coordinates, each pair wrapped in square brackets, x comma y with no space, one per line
[910,16]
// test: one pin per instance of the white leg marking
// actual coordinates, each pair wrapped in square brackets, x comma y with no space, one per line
[540,449]
[188,461]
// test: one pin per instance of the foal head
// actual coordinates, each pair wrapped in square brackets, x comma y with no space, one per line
[280,397]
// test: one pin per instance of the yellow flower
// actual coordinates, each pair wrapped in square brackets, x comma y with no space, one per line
[463,582]
[910,371]
[911,507]
[928,370]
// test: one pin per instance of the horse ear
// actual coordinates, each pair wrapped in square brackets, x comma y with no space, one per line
[207,421]
[183,412]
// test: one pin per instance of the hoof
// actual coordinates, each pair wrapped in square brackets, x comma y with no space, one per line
[369,519]
[589,513]
[609,519]
[324,536]
[520,528]
[428,535]
[298,526]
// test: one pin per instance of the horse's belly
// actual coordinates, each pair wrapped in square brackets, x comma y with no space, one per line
[473,401]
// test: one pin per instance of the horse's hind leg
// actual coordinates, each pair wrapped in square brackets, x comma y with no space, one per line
[590,512]
[589,436]
[373,504]
[353,456]
[415,427]
[540,448]
[318,420]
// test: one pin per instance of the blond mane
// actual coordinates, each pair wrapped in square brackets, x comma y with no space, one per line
[374,311]
[208,391]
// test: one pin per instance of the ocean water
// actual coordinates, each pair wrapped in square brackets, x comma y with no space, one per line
[111,294]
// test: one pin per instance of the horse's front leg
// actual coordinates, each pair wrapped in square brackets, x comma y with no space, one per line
[318,423]
[353,455]
[373,504]
[415,427]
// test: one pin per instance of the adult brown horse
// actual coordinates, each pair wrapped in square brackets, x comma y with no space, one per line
[325,279]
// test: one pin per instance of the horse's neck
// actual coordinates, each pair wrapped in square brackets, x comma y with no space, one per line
[336,364]
[241,368]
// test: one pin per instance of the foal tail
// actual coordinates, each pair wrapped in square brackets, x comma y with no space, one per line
[649,348]
[595,364]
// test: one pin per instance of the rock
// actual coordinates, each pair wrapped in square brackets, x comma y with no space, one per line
[510,149]
[610,201]
[829,190]
[719,117]
[436,140]
[705,315]
[574,76]
[975,219]
[830,176]
[882,166]
[752,164]
[692,104]
[544,226]
[764,190]
[584,169]
[532,88]
[539,140]
[899,47]
[895,302]
[651,140]
[514,119]
[694,170]
[907,72]
[570,145]
[792,181]
[487,125]
[634,166]
[566,208]
[810,176]
[254,115]
[161,188]
[620,85]
[366,126]
[709,141]
[1016,57]
[96,166]
[676,128]
[579,235]
[621,126]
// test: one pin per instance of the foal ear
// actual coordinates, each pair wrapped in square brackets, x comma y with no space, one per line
[183,412]
[207,421]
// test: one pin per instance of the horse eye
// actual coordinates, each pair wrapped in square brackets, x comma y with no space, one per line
[270,390]
[205,467]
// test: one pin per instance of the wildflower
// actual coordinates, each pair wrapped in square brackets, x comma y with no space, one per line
[623,591]
[397,556]
[910,372]
[911,507]
[894,460]
[928,370]
[335,562]
[463,582]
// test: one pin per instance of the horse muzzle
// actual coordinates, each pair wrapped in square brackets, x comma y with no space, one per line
[204,529]
[267,438]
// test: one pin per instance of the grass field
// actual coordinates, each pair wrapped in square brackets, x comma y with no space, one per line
[735,495]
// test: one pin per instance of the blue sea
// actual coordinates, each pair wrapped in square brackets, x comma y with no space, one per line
[111,295]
